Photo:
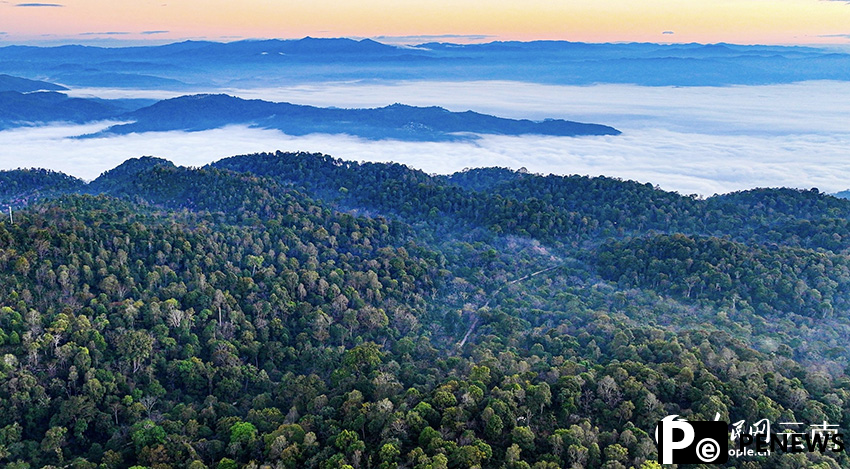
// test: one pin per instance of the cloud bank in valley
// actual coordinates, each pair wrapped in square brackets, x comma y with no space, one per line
[809,107]
[688,163]
[692,140]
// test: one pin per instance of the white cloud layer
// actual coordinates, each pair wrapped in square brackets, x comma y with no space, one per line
[692,140]
[808,107]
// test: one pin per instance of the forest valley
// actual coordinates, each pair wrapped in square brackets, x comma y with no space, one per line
[290,310]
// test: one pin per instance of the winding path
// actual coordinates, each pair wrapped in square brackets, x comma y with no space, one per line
[493,295]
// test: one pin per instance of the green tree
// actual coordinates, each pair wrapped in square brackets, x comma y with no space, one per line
[135,347]
[53,442]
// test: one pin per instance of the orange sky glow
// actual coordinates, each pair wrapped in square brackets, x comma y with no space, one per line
[704,21]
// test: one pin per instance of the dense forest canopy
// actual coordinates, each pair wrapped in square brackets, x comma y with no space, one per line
[293,310]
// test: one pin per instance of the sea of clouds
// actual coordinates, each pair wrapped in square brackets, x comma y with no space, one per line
[694,140]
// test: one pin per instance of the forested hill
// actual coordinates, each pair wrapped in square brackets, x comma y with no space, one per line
[296,310]
[559,209]
[20,186]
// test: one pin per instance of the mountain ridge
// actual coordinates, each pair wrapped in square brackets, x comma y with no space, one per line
[396,121]
[24,85]
[210,111]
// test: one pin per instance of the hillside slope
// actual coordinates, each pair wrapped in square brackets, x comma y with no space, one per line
[296,310]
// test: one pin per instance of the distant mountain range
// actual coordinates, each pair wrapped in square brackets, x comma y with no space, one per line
[203,112]
[194,64]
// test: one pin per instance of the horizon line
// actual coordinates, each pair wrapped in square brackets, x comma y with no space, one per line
[117,43]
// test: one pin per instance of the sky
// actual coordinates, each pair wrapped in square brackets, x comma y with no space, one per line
[407,21]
